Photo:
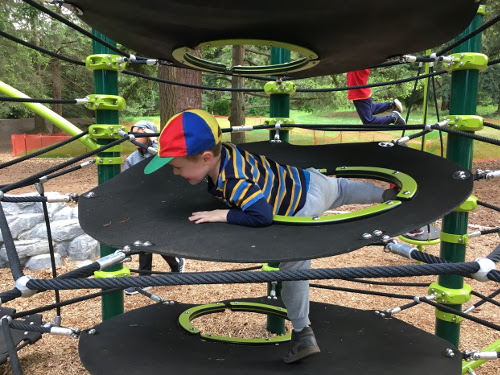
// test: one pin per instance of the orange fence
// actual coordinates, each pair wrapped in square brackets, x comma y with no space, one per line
[22,144]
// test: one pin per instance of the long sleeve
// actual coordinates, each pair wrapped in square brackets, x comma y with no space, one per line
[258,214]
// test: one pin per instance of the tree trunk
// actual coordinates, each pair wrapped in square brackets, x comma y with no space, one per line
[167,94]
[498,109]
[445,104]
[39,125]
[187,97]
[173,98]
[237,117]
[55,65]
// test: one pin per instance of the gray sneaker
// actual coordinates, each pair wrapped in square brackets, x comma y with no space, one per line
[398,119]
[134,290]
[181,263]
[302,345]
[396,104]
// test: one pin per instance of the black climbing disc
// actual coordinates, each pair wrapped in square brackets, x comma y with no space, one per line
[150,341]
[345,35]
[137,207]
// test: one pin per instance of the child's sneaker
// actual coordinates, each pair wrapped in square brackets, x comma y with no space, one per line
[302,345]
[398,119]
[396,105]
[133,290]
[415,232]
[181,262]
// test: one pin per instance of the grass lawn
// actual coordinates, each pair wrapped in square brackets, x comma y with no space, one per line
[482,151]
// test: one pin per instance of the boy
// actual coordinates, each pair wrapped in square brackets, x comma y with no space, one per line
[255,188]
[146,259]
[362,100]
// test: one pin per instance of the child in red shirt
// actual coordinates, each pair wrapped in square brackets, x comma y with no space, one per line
[362,99]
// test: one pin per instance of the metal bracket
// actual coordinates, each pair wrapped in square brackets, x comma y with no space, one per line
[124,272]
[106,62]
[273,87]
[447,317]
[106,160]
[469,205]
[105,102]
[450,296]
[466,61]
[282,120]
[465,123]
[102,131]
[454,238]
[483,10]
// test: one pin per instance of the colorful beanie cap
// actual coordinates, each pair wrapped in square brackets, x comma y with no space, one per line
[189,132]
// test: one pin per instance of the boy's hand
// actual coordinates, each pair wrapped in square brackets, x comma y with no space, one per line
[215,216]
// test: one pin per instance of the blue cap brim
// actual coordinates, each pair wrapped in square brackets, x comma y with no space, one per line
[155,164]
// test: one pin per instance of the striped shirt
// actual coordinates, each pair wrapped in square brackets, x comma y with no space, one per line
[244,178]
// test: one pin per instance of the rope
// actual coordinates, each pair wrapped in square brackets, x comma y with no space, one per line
[29,327]
[16,199]
[468,135]
[64,303]
[468,36]
[495,254]
[360,291]
[9,295]
[34,100]
[75,27]
[35,178]
[487,205]
[489,124]
[256,277]
[40,152]
[463,315]
[485,299]
[40,49]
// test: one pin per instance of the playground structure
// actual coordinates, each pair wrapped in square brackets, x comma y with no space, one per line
[102,133]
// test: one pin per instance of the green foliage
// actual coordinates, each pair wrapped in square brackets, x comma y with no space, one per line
[221,107]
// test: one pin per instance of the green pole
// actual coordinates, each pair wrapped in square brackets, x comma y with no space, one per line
[280,103]
[50,115]
[106,82]
[279,107]
[463,101]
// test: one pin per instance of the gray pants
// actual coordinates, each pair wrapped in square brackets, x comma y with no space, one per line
[324,193]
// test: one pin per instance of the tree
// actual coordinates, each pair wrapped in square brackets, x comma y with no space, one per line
[237,117]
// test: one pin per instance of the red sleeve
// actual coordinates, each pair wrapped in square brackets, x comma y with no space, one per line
[358,78]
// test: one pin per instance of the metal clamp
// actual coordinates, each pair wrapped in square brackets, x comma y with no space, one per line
[106,62]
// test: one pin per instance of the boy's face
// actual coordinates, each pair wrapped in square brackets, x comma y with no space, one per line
[142,140]
[193,171]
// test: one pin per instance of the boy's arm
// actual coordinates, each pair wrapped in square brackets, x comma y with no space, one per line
[258,214]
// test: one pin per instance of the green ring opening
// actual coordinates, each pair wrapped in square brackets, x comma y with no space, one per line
[406,183]
[185,56]
[194,312]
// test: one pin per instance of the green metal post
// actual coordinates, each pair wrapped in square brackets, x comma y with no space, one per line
[106,82]
[460,150]
[280,103]
[279,107]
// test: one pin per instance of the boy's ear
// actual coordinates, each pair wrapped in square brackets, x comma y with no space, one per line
[207,156]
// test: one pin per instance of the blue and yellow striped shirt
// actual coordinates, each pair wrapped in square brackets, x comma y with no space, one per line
[244,178]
